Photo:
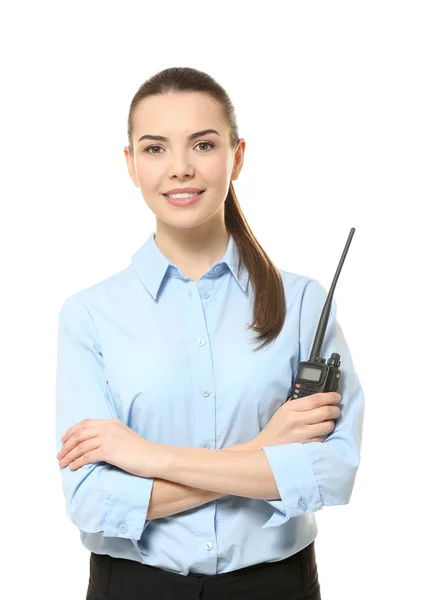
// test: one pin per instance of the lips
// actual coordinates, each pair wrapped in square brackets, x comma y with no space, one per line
[183,191]
[183,202]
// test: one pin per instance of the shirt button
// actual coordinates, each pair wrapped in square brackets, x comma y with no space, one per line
[208,546]
[205,295]
[201,341]
[206,393]
[217,268]
[206,446]
[303,503]
[123,528]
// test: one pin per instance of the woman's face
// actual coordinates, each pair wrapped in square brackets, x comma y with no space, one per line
[204,162]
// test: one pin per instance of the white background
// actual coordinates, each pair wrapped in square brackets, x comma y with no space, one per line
[331,100]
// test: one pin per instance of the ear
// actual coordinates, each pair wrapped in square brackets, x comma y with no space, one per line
[130,166]
[238,159]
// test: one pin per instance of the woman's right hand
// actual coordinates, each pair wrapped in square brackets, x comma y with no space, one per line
[306,419]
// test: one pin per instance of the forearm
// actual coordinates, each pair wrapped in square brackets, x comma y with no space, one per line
[169,497]
[247,473]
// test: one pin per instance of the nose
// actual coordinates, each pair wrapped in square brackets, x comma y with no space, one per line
[180,166]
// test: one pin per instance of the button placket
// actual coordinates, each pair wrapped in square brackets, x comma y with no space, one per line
[203,400]
[201,367]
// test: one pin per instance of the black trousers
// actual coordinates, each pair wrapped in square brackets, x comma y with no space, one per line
[294,578]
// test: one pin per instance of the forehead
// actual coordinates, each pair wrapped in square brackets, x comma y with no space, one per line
[183,112]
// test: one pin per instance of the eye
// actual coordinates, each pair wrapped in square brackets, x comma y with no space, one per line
[208,143]
[151,147]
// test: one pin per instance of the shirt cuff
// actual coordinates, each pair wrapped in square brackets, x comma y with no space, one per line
[127,504]
[295,480]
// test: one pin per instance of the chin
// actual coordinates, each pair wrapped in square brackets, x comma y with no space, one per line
[184,220]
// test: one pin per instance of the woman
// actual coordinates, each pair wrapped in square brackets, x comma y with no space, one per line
[185,469]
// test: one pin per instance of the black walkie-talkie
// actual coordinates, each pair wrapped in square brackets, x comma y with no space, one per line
[313,375]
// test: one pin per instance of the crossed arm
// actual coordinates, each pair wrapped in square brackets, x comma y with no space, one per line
[171,497]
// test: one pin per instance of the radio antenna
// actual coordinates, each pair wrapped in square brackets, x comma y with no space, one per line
[323,322]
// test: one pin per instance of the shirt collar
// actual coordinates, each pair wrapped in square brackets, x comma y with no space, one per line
[151,265]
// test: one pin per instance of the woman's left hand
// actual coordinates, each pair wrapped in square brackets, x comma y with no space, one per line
[108,440]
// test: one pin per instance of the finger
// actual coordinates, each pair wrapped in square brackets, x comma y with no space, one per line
[77,434]
[85,459]
[72,430]
[77,452]
[323,413]
[315,400]
[78,439]
[322,429]
[71,456]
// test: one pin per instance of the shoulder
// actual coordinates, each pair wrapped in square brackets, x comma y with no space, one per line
[305,298]
[303,294]
[79,304]
[297,285]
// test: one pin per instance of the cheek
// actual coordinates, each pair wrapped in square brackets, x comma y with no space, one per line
[150,178]
[214,177]
[213,171]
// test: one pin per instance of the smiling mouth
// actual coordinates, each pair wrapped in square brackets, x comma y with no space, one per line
[184,194]
[185,201]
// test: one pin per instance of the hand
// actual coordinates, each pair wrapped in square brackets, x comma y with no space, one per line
[108,440]
[306,419]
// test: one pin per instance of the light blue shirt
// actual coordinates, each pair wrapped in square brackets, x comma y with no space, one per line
[175,361]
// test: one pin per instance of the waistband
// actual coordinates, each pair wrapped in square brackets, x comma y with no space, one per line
[104,561]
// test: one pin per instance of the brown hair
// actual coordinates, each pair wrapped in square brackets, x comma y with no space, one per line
[269,298]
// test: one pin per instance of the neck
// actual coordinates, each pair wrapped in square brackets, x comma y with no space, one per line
[192,250]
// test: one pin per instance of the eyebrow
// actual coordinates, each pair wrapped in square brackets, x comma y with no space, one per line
[160,138]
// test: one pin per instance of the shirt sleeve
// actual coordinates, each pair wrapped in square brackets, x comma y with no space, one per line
[312,475]
[99,497]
